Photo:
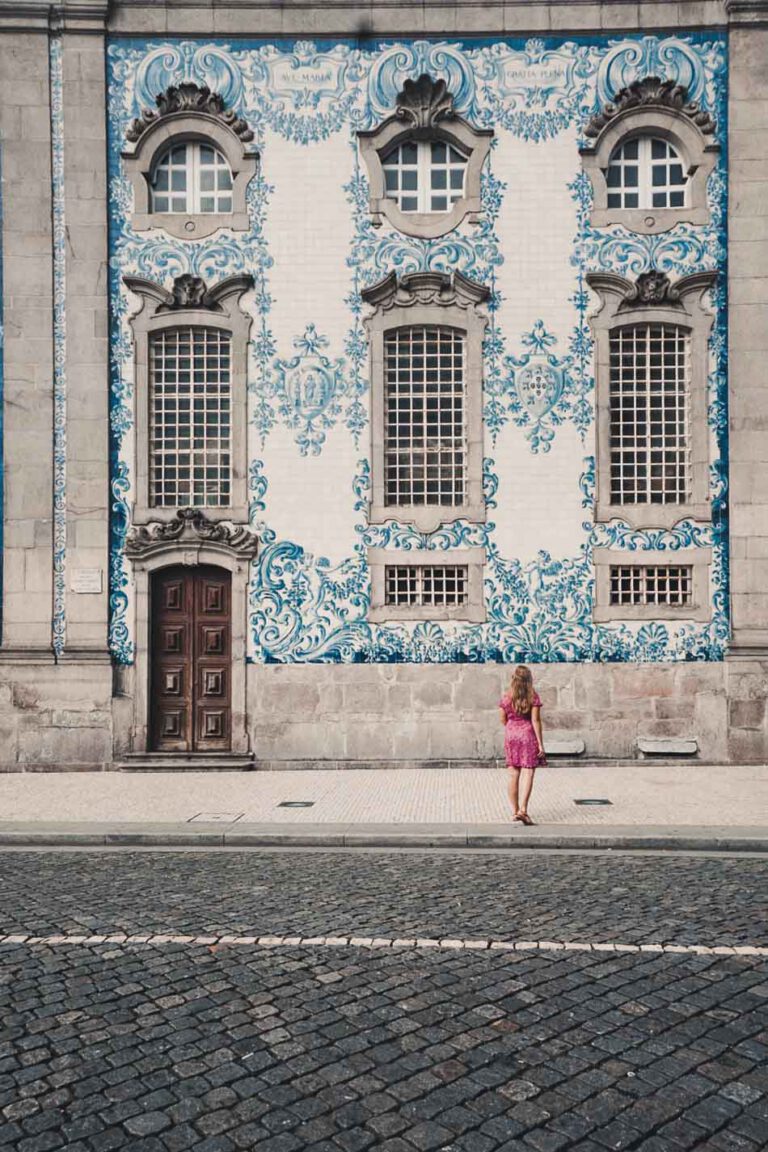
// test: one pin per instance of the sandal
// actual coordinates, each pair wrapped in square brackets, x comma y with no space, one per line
[524,818]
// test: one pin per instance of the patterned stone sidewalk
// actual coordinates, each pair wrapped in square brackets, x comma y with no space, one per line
[641,795]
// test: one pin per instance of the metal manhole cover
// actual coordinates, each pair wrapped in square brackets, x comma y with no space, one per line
[590,801]
[296,804]
[216,818]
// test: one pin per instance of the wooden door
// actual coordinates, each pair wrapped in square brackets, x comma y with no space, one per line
[190,695]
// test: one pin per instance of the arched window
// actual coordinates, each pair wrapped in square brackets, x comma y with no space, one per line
[190,354]
[424,162]
[424,175]
[649,156]
[190,428]
[190,163]
[646,172]
[191,177]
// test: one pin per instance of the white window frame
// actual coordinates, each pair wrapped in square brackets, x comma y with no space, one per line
[645,164]
[193,168]
[425,114]
[424,167]
[666,118]
[140,158]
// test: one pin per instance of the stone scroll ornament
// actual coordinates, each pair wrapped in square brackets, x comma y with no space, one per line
[190,526]
[651,92]
[188,97]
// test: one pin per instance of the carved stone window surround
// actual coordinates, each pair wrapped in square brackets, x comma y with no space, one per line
[682,304]
[381,558]
[425,112]
[192,114]
[698,559]
[191,539]
[191,305]
[428,298]
[652,107]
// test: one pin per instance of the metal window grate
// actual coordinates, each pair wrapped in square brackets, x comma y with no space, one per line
[190,420]
[649,414]
[424,176]
[646,173]
[426,585]
[192,177]
[425,434]
[669,585]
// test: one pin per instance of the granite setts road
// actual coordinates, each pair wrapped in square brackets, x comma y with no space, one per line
[153,1047]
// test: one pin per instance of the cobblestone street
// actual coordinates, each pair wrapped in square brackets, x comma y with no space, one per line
[446,1042]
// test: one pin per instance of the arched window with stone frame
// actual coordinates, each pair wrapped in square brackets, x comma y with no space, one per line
[190,395]
[424,162]
[651,153]
[190,163]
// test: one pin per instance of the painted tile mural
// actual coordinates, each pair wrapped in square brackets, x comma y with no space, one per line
[312,248]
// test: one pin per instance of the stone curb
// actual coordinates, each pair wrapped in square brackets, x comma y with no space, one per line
[680,839]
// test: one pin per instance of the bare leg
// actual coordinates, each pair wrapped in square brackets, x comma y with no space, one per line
[527,780]
[514,780]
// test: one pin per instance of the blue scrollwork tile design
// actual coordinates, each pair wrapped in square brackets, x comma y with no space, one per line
[305,606]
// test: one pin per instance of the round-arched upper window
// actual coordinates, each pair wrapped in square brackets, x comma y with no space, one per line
[424,175]
[193,178]
[646,172]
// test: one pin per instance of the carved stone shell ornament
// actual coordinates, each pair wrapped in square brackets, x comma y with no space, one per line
[424,102]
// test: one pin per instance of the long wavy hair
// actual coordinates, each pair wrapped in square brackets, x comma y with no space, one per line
[521,690]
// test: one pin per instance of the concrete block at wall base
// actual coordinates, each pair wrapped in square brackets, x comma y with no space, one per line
[747,747]
[40,747]
[747,713]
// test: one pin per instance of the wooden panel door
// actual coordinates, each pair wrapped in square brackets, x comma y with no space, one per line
[191,652]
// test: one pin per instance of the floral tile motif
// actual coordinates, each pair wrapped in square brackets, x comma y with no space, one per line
[303,606]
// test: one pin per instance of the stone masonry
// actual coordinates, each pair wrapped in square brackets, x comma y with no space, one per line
[63,708]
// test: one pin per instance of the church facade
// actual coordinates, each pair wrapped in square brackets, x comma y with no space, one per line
[348,364]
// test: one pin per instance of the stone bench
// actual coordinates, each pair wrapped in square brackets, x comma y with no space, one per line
[570,747]
[667,746]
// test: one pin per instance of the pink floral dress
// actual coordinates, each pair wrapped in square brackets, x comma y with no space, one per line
[520,744]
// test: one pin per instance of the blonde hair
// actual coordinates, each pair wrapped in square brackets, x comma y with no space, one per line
[521,692]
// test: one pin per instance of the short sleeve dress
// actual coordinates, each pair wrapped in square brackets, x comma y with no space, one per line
[521,747]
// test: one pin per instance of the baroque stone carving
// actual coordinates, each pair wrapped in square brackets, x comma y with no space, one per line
[189,97]
[651,92]
[190,291]
[190,528]
[424,102]
[443,288]
[652,289]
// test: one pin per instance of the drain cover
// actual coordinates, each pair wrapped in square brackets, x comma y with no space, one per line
[296,804]
[216,818]
[593,802]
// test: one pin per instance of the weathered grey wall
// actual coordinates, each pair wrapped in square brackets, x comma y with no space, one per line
[747,666]
[406,712]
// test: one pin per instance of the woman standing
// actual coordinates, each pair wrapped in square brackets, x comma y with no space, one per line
[520,712]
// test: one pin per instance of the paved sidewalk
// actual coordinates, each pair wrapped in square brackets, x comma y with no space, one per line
[651,806]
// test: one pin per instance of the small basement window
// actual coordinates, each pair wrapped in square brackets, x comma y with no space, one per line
[427,585]
[652,584]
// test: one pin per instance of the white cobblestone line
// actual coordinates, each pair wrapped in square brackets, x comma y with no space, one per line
[445,944]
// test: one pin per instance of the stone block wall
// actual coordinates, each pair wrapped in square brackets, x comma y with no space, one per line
[406,713]
[57,717]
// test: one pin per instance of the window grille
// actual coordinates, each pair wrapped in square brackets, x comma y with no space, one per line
[425,435]
[426,586]
[424,176]
[190,418]
[193,178]
[650,375]
[646,173]
[670,585]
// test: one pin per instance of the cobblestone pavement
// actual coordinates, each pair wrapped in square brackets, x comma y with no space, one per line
[152,1048]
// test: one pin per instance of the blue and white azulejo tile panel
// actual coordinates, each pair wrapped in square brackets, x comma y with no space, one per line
[311,248]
